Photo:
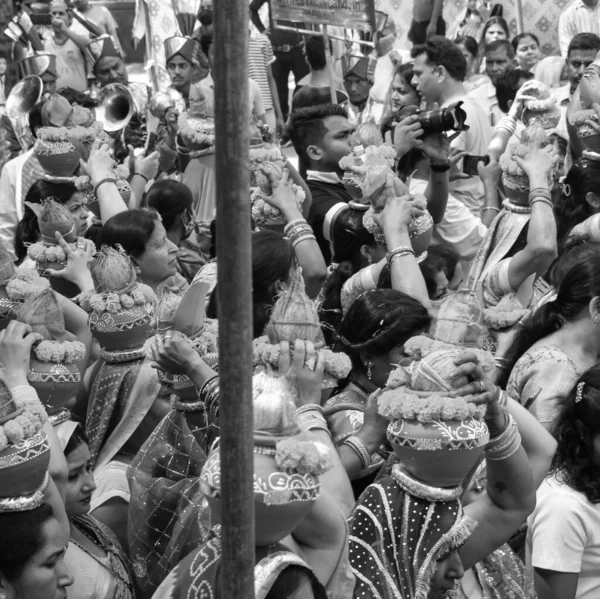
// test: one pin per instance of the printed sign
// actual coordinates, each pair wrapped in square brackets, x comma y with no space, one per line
[350,14]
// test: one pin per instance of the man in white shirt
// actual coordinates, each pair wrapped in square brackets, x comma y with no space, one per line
[583,16]
[580,55]
[358,82]
[439,72]
[499,60]
[66,42]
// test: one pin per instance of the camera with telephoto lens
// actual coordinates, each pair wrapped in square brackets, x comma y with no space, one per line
[450,118]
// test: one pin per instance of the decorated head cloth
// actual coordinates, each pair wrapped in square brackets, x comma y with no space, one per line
[186,47]
[361,70]
[24,453]
[397,538]
[199,574]
[38,64]
[100,47]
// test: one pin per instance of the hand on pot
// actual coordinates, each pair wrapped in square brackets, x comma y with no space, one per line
[76,270]
[304,370]
[480,389]
[174,353]
[15,351]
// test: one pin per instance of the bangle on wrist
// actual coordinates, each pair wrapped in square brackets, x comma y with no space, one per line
[494,208]
[360,449]
[397,252]
[106,180]
[142,176]
[504,445]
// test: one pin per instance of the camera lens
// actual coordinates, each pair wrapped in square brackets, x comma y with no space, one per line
[452,117]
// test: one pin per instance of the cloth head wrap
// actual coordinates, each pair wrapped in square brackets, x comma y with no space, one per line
[101,47]
[360,70]
[186,47]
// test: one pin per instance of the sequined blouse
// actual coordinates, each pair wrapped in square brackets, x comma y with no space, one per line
[345,414]
[540,378]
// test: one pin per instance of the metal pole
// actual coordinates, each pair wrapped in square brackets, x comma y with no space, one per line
[234,261]
[520,22]
[329,60]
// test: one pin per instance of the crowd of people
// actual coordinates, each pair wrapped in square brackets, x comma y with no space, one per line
[425,302]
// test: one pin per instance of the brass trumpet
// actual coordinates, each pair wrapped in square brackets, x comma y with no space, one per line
[24,96]
[116,107]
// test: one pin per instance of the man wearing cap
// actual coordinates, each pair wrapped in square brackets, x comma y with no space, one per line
[66,42]
[43,66]
[183,56]
[105,63]
[358,82]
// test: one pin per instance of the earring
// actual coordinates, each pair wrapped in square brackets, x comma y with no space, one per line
[369,371]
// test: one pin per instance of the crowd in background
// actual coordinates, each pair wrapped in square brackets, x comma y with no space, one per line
[425,303]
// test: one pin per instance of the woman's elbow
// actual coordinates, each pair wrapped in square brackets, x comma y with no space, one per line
[544,254]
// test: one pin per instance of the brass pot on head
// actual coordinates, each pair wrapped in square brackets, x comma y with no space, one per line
[116,107]
[24,96]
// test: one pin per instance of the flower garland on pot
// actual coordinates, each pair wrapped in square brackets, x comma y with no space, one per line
[513,176]
[53,217]
[24,452]
[27,420]
[262,212]
[190,320]
[121,309]
[539,105]
[436,436]
[25,284]
[369,174]
[54,368]
[287,463]
[294,317]
[197,128]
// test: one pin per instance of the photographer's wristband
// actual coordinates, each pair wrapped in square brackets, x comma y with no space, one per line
[440,168]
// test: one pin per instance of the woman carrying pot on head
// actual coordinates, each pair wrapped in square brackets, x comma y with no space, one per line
[414,539]
[557,343]
[372,333]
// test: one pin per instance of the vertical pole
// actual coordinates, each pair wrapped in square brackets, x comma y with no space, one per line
[329,65]
[520,22]
[234,261]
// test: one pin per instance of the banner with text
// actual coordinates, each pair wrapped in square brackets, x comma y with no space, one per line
[350,14]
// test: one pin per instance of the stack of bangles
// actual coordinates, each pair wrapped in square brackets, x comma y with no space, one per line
[310,417]
[507,123]
[540,194]
[209,394]
[360,449]
[398,252]
[504,445]
[298,231]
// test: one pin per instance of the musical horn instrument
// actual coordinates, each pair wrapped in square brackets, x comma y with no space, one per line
[116,107]
[24,96]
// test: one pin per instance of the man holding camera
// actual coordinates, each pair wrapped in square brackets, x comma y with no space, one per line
[439,72]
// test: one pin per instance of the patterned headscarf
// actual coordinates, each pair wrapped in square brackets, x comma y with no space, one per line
[397,538]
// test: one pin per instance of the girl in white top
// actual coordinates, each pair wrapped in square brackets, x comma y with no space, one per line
[563,543]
